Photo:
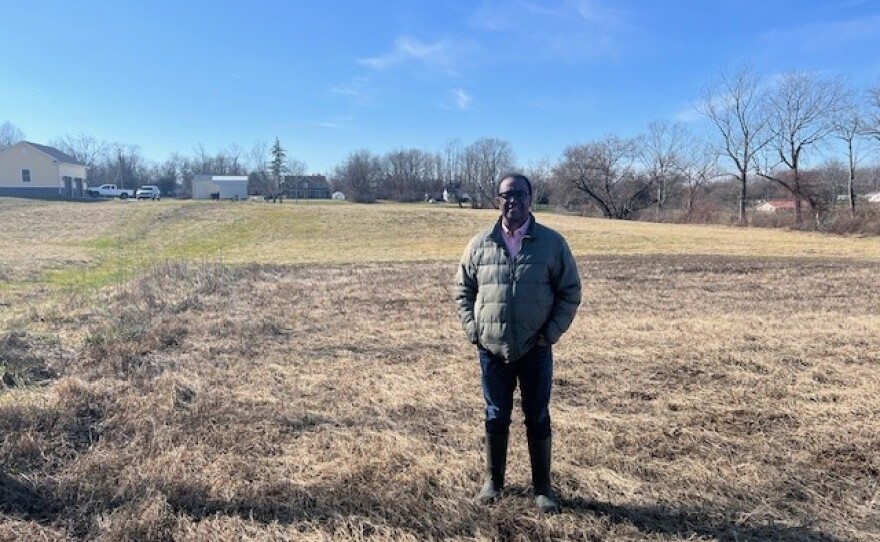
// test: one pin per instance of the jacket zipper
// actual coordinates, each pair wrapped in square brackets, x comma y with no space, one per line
[513,304]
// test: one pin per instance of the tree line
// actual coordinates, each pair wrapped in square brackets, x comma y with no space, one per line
[802,136]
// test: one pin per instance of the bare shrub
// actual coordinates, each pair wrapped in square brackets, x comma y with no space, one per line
[780,219]
[865,221]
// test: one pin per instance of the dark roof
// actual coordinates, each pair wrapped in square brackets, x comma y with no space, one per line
[56,154]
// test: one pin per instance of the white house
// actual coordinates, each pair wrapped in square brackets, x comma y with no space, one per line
[775,206]
[873,197]
[28,170]
[219,186]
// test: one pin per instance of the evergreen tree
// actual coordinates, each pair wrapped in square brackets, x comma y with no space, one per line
[278,158]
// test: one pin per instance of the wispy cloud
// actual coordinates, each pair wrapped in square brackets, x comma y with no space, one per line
[566,29]
[443,55]
[599,14]
[542,9]
[336,123]
[688,114]
[357,90]
[462,98]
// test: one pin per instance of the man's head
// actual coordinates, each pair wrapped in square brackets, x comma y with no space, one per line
[514,200]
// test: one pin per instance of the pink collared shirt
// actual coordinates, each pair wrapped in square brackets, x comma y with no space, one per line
[513,240]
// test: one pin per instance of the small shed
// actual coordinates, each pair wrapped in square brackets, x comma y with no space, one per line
[219,186]
[338,196]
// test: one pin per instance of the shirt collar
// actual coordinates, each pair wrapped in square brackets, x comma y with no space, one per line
[521,231]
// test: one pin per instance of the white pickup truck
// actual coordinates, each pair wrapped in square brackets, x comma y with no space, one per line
[109,191]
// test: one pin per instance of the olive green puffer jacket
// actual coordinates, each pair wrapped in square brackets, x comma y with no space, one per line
[505,305]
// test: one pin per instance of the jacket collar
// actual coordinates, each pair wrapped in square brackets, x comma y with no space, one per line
[496,231]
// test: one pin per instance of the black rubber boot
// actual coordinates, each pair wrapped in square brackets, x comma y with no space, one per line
[539,456]
[496,462]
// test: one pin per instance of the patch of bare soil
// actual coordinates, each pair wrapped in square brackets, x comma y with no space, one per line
[695,399]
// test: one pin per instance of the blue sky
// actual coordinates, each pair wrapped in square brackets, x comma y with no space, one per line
[330,77]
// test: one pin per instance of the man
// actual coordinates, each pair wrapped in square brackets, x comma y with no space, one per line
[517,290]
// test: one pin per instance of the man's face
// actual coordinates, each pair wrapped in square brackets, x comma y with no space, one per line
[514,201]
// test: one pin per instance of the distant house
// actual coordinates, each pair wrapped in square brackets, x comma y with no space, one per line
[775,206]
[29,170]
[873,197]
[219,186]
[306,187]
[452,195]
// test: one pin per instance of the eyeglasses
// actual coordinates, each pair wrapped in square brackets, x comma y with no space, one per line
[514,195]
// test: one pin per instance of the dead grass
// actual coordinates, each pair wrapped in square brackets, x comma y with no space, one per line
[70,244]
[696,398]
[49,250]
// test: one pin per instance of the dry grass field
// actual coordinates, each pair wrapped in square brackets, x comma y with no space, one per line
[193,371]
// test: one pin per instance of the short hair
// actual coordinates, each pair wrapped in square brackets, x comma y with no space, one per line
[515,177]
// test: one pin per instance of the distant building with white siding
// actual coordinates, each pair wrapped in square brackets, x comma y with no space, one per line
[219,186]
[29,170]
[775,206]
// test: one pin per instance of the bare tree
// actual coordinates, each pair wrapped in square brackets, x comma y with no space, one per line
[122,165]
[358,176]
[451,162]
[470,175]
[835,174]
[540,172]
[435,172]
[851,127]
[233,160]
[10,134]
[873,127]
[297,167]
[258,157]
[734,105]
[407,174]
[451,169]
[85,148]
[169,175]
[604,171]
[486,159]
[229,161]
[801,108]
[699,173]
[293,183]
[662,152]
[258,163]
[201,161]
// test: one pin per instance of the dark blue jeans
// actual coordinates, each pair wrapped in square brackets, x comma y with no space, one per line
[534,373]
